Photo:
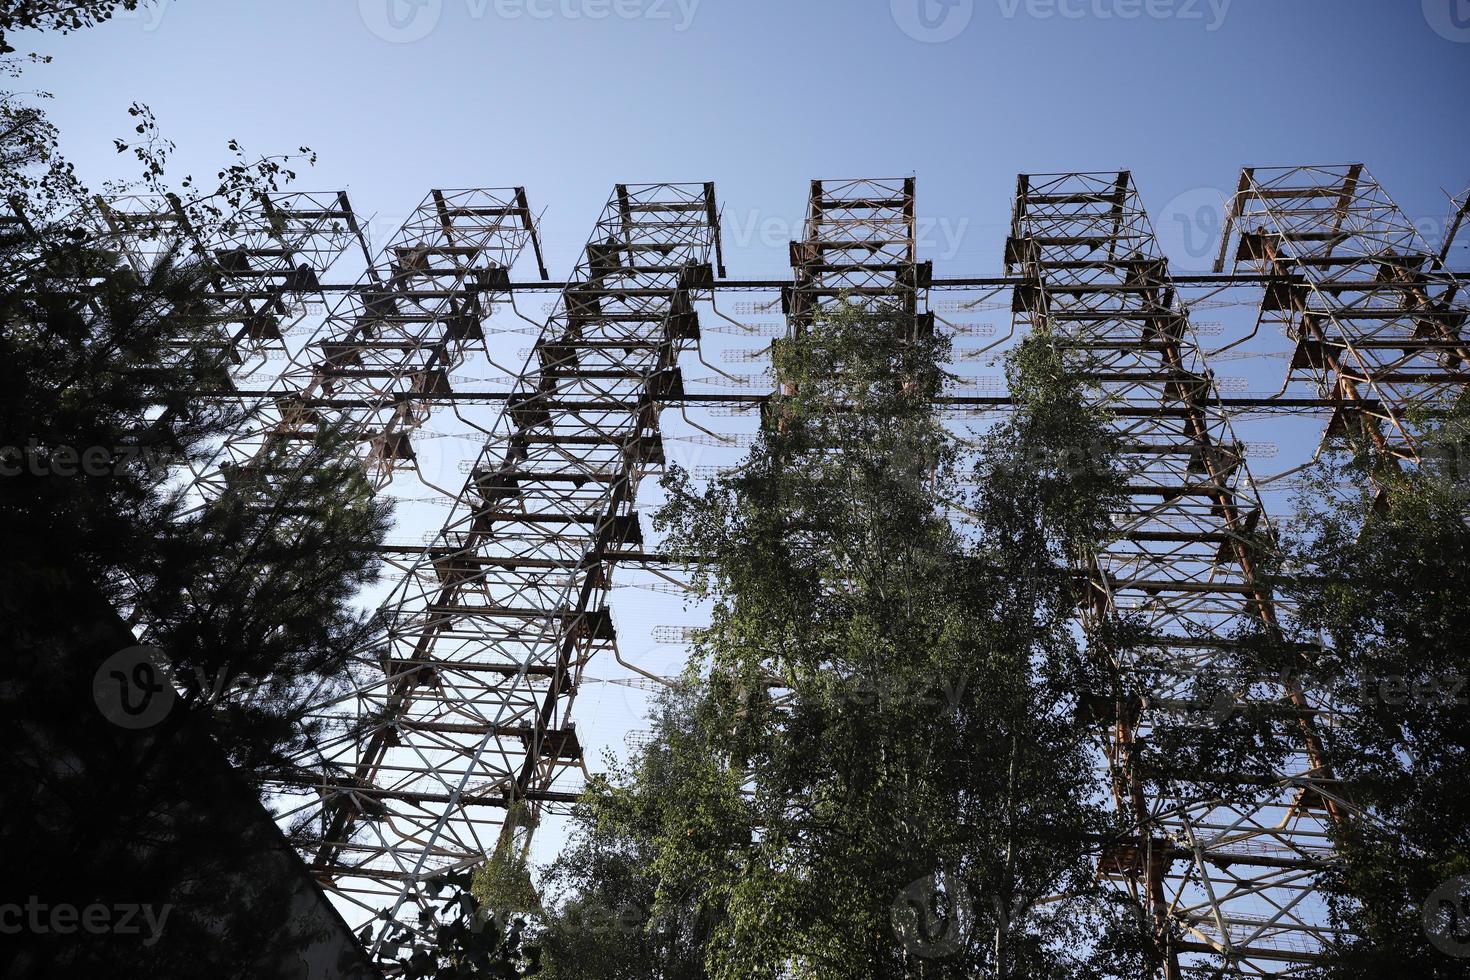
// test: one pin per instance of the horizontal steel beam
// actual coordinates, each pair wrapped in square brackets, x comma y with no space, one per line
[1199,279]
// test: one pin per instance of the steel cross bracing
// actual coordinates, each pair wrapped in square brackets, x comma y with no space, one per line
[857,246]
[1371,325]
[1233,883]
[1454,224]
[263,262]
[385,352]
[470,690]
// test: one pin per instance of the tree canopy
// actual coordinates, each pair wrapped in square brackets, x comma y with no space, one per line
[1379,555]
[874,765]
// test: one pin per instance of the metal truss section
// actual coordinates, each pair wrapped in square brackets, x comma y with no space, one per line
[263,262]
[381,361]
[1375,318]
[1454,225]
[467,699]
[1231,886]
[857,246]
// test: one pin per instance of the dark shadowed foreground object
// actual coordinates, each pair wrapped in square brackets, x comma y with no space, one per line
[141,853]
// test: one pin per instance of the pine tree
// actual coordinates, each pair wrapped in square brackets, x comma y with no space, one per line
[249,600]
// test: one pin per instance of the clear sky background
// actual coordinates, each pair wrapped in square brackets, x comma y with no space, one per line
[760,96]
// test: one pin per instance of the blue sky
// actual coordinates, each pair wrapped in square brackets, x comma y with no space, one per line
[761,96]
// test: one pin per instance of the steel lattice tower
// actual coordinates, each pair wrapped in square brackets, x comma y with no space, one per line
[262,263]
[857,246]
[489,631]
[1233,880]
[379,364]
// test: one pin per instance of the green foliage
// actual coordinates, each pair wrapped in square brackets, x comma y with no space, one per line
[617,917]
[460,941]
[874,766]
[62,16]
[252,598]
[106,378]
[1383,556]
[503,884]
[106,383]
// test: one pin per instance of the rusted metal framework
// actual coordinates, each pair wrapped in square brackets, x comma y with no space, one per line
[857,246]
[467,700]
[381,361]
[1230,885]
[1454,225]
[1375,318]
[263,262]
